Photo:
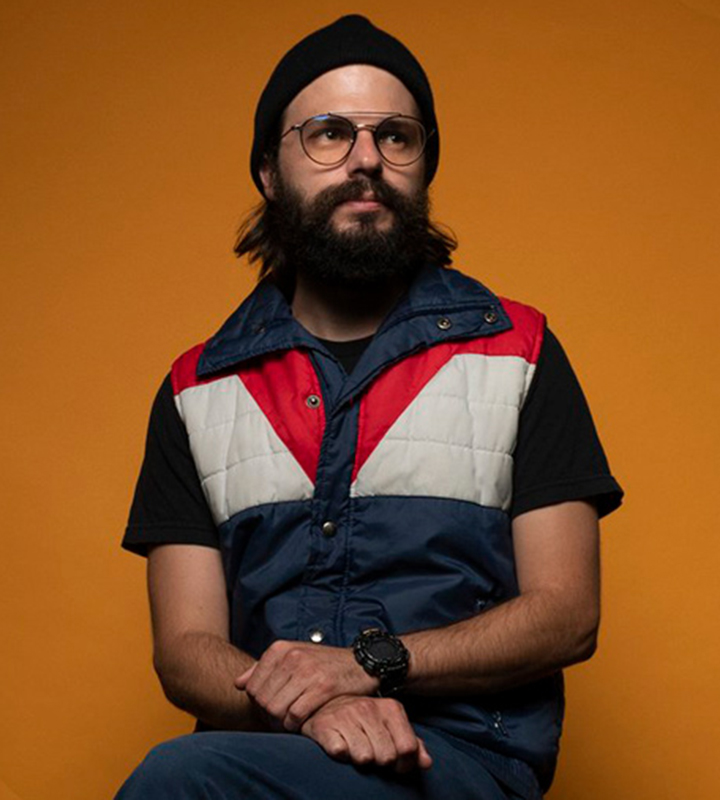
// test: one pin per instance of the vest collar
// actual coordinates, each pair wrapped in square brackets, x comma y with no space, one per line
[441,304]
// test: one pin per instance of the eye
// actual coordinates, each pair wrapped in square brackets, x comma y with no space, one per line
[393,136]
[331,132]
[328,131]
[396,139]
[398,135]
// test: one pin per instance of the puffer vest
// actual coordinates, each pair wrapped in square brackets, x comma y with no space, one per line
[375,499]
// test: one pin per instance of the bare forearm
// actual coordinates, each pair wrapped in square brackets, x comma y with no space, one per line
[519,641]
[197,673]
[551,624]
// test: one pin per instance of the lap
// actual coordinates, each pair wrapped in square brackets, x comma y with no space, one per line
[277,766]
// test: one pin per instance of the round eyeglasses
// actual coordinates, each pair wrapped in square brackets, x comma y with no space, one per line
[328,139]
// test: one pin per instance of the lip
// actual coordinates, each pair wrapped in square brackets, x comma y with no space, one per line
[363,204]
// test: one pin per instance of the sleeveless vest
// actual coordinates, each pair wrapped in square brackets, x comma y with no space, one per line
[375,499]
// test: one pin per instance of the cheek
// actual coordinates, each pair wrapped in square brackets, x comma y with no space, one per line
[409,179]
[294,165]
[409,185]
[414,177]
[305,178]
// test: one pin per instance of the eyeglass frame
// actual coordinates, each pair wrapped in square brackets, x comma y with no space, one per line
[356,127]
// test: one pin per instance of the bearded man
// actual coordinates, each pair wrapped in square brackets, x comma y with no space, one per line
[370,502]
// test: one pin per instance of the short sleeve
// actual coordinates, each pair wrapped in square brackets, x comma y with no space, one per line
[169,506]
[558,456]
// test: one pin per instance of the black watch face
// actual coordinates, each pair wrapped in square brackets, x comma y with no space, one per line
[383,650]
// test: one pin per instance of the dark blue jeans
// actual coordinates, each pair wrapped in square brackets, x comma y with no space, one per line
[278,766]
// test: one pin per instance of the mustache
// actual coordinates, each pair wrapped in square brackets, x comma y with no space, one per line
[356,189]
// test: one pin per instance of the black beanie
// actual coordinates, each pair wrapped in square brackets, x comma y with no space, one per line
[350,40]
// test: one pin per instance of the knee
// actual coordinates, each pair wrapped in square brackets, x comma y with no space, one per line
[174,769]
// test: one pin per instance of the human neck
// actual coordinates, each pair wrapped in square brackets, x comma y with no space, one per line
[342,314]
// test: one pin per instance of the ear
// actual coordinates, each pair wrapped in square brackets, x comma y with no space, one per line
[267,176]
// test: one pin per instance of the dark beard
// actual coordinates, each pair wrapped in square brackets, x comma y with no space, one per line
[360,258]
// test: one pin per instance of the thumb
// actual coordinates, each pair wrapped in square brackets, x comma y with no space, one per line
[424,758]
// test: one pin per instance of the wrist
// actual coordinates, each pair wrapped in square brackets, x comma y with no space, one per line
[383,657]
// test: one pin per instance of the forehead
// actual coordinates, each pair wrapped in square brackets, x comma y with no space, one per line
[358,87]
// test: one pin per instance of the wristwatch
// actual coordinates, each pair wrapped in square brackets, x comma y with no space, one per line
[383,656]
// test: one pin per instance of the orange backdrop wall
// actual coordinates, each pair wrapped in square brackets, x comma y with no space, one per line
[580,170]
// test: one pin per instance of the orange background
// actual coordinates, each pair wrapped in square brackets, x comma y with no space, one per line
[580,170]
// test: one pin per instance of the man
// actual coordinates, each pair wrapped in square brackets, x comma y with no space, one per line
[370,501]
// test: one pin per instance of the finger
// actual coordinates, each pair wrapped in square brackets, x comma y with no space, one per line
[385,752]
[373,723]
[256,672]
[424,758]
[371,720]
[360,749]
[335,745]
[280,678]
[275,697]
[241,680]
[405,740]
[297,715]
[277,666]
[304,705]
[266,667]
[266,690]
[291,705]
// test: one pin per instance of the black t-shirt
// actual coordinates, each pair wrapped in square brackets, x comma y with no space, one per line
[558,457]
[347,353]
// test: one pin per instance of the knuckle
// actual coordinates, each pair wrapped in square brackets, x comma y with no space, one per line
[258,694]
[259,697]
[331,717]
[407,746]
[275,709]
[335,746]
[294,718]
[362,756]
[384,759]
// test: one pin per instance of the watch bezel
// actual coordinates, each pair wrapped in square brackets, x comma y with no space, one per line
[391,670]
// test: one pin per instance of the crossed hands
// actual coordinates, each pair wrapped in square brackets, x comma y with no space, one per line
[322,692]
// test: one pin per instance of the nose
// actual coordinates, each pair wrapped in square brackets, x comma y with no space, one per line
[364,156]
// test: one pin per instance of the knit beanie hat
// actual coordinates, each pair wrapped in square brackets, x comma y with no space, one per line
[350,40]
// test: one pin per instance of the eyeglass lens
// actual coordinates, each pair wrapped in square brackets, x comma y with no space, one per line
[329,139]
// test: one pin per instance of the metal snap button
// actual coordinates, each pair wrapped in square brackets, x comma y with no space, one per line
[444,323]
[312,401]
[490,317]
[329,529]
[317,636]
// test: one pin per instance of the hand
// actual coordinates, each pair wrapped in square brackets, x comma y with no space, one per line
[368,730]
[293,680]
